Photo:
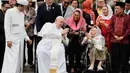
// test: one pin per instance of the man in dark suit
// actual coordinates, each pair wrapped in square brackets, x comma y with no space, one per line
[47,12]
[4,7]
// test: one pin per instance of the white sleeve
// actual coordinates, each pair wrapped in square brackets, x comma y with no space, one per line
[45,29]
[7,25]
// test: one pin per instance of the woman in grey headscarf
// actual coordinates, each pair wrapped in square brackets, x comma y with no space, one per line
[98,49]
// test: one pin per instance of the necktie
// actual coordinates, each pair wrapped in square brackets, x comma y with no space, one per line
[49,8]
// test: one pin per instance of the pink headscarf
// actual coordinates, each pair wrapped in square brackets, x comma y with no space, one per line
[81,24]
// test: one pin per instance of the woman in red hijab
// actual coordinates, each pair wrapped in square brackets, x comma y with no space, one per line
[76,23]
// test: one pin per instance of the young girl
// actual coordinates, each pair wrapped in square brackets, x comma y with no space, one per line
[98,49]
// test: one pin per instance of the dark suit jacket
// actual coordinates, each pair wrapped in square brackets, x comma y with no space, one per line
[87,19]
[2,33]
[43,15]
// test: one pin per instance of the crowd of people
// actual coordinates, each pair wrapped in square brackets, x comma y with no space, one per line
[56,33]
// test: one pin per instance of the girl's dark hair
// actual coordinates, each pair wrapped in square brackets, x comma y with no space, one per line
[77,2]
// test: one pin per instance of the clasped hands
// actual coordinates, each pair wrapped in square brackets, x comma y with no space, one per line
[88,36]
[64,32]
[118,38]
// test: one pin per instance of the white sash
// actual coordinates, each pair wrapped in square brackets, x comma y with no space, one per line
[54,55]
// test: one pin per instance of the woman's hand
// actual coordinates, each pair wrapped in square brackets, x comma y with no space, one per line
[76,33]
[72,32]
[88,36]
[98,21]
[89,26]
[65,31]
[104,24]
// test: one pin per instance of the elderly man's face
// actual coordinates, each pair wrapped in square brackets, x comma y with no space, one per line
[59,22]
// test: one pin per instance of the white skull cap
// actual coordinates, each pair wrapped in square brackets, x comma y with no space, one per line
[22,2]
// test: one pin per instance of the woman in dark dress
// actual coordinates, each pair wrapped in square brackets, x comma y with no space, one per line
[76,23]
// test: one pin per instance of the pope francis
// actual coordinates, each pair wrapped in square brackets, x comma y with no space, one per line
[15,34]
[50,50]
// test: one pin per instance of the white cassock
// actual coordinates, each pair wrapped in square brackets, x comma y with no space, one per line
[15,32]
[50,50]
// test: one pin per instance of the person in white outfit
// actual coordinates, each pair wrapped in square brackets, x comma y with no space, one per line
[15,34]
[50,50]
[97,47]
